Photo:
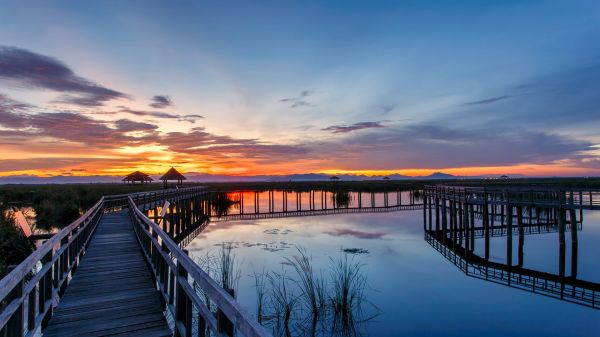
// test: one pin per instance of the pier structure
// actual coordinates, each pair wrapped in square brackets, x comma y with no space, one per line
[114,271]
[460,222]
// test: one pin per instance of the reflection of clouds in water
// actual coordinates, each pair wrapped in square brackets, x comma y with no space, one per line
[275,231]
[355,251]
[355,233]
[273,246]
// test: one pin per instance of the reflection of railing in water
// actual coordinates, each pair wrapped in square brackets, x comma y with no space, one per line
[566,288]
[314,202]
[453,218]
[496,231]
[228,206]
[252,216]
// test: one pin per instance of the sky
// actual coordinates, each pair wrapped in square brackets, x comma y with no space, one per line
[283,87]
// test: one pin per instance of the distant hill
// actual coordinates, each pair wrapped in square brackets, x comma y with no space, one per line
[205,177]
[198,177]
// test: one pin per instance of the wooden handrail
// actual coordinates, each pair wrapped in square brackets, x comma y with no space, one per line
[59,257]
[174,269]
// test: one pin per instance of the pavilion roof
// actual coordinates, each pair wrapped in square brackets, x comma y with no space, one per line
[137,176]
[173,174]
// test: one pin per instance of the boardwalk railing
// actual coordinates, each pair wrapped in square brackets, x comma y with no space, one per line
[578,198]
[177,275]
[317,212]
[27,293]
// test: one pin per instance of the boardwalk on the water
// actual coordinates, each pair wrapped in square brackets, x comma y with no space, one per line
[112,292]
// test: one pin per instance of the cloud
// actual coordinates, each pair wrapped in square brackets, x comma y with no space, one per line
[27,69]
[11,113]
[199,141]
[487,100]
[355,233]
[161,101]
[99,136]
[353,127]
[300,100]
[434,146]
[159,114]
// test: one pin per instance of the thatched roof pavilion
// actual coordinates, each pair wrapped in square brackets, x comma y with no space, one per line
[137,176]
[172,174]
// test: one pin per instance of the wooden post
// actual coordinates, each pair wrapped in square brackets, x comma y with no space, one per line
[425,214]
[509,221]
[183,305]
[437,215]
[521,235]
[486,229]
[444,220]
[224,325]
[574,243]
[430,212]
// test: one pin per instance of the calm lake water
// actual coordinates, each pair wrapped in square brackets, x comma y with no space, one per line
[414,289]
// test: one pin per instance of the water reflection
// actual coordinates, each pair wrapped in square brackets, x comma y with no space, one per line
[409,282]
[464,233]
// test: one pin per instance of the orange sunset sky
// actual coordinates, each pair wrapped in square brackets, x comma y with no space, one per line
[109,88]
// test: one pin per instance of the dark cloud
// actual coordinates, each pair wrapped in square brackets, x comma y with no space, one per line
[488,100]
[353,127]
[300,100]
[127,125]
[30,70]
[433,146]
[161,102]
[98,134]
[199,141]
[12,113]
[356,234]
[159,114]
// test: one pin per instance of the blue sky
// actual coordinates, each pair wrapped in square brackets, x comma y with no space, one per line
[307,86]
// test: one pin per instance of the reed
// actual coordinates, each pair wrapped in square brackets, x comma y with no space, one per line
[261,292]
[229,272]
[311,286]
[283,301]
[348,285]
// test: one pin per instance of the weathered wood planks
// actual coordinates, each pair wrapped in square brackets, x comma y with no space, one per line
[112,292]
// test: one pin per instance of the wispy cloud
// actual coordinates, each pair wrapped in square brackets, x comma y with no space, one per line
[488,100]
[161,102]
[300,100]
[27,69]
[353,127]
[192,118]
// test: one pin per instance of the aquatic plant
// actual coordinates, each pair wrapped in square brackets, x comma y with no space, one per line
[260,286]
[347,295]
[341,199]
[228,272]
[311,286]
[283,301]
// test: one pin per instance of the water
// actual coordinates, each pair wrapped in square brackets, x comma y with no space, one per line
[417,291]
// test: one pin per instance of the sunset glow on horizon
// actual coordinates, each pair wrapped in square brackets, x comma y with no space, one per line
[375,89]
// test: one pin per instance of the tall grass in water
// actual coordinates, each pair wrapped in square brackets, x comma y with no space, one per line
[283,301]
[312,286]
[347,296]
[261,292]
[228,270]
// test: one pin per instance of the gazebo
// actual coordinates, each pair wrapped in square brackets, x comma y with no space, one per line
[172,174]
[137,176]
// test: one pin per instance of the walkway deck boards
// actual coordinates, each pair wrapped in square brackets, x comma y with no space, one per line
[112,292]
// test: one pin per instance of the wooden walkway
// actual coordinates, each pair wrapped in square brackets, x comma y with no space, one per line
[112,292]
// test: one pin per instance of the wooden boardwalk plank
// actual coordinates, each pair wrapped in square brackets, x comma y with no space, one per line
[112,293]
